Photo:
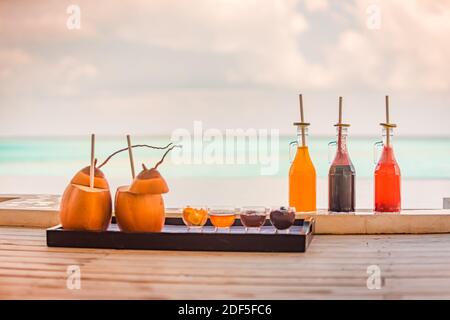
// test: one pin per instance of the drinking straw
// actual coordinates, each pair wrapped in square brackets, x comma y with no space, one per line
[340,124]
[302,118]
[92,168]
[130,152]
[388,125]
[302,124]
[387,121]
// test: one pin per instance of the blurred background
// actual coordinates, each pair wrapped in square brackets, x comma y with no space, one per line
[70,68]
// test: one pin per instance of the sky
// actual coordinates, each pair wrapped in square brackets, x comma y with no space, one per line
[149,67]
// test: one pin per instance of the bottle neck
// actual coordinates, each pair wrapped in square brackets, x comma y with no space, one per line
[388,138]
[300,140]
[341,139]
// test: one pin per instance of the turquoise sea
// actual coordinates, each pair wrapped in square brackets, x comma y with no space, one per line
[419,158]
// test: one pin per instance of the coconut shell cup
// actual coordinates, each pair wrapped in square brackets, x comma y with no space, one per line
[86,208]
[140,207]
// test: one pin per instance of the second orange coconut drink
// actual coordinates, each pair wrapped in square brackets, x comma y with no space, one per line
[140,207]
[302,174]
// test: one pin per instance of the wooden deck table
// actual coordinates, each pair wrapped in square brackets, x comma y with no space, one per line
[335,267]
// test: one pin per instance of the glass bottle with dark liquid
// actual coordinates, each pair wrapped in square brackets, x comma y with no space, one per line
[341,177]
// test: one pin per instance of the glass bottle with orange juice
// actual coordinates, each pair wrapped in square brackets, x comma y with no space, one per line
[302,174]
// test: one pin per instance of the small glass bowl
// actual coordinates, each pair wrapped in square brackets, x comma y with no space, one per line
[282,218]
[222,217]
[195,217]
[253,217]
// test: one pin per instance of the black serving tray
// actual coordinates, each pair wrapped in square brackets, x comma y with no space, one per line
[175,236]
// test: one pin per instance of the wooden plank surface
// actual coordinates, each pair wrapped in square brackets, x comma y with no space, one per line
[335,267]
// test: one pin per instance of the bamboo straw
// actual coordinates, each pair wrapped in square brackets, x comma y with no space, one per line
[130,152]
[387,109]
[388,138]
[302,118]
[92,168]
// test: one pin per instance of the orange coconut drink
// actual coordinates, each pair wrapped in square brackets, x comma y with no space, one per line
[86,202]
[140,206]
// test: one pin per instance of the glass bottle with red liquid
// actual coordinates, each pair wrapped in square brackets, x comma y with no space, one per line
[341,176]
[302,174]
[387,172]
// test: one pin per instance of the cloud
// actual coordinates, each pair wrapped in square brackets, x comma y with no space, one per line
[408,52]
[41,22]
[260,43]
[11,60]
[217,26]
[70,73]
[264,50]
[316,5]
[261,38]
